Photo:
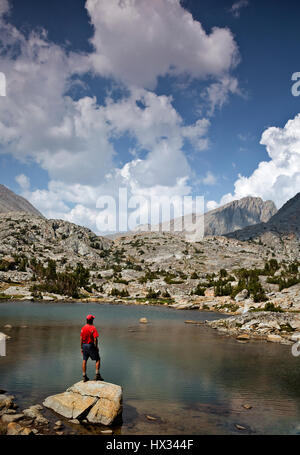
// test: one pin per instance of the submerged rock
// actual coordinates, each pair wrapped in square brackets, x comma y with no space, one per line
[247,406]
[239,427]
[243,336]
[33,412]
[95,401]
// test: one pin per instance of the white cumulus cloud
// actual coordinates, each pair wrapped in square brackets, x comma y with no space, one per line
[279,178]
[136,41]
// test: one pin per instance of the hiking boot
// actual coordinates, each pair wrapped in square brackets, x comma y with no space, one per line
[98,377]
[85,378]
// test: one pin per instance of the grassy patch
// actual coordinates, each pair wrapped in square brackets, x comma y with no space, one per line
[4,297]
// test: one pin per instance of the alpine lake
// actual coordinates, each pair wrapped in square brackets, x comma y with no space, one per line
[188,378]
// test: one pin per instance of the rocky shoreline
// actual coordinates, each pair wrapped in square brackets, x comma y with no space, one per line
[287,300]
[283,328]
[95,403]
[28,422]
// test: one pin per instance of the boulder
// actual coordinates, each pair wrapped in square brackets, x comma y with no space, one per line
[269,325]
[58,425]
[243,336]
[105,411]
[34,413]
[241,296]
[9,411]
[69,404]
[6,401]
[7,418]
[95,401]
[274,338]
[295,323]
[34,410]
[109,400]
[295,336]
[14,429]
[209,292]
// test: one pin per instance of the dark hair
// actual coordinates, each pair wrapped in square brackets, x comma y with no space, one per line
[90,321]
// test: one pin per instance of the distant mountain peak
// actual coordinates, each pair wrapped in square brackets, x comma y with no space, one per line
[228,218]
[285,221]
[12,202]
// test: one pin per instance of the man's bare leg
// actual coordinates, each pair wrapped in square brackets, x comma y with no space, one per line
[85,378]
[98,376]
[84,367]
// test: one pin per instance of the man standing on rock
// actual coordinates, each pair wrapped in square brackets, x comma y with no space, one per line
[89,347]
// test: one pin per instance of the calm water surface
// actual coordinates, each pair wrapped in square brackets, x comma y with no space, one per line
[192,379]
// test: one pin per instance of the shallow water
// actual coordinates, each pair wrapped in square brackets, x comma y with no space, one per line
[192,379]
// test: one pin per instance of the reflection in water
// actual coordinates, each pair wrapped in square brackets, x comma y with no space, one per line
[192,379]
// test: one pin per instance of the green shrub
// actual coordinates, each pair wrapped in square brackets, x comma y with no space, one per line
[65,283]
[269,306]
[166,294]
[194,276]
[249,279]
[223,273]
[151,294]
[286,328]
[120,280]
[148,276]
[199,290]
[119,293]
[170,279]
[221,289]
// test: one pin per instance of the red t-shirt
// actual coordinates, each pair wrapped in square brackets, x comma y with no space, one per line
[89,333]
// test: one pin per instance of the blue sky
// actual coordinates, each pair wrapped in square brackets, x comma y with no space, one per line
[180,98]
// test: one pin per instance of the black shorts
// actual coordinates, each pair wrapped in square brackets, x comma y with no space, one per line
[90,350]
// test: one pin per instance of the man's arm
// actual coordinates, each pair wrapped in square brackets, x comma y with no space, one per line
[81,343]
[95,336]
